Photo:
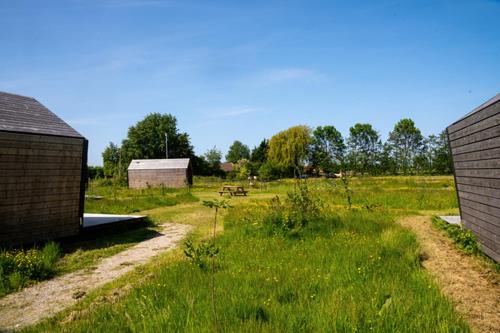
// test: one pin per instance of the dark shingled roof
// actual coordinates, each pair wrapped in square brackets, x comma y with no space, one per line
[27,115]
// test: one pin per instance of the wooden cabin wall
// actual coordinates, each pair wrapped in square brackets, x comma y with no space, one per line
[40,187]
[475,147]
[156,178]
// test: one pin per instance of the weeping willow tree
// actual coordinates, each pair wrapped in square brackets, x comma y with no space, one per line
[289,148]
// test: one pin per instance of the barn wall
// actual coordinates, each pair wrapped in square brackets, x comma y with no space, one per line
[155,178]
[40,187]
[475,146]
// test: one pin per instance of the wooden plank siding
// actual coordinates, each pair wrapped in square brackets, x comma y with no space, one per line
[157,178]
[40,186]
[475,147]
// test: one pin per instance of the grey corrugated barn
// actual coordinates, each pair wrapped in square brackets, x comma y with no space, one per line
[42,163]
[172,172]
[475,147]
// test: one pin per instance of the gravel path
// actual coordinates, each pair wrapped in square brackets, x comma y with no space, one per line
[45,299]
[473,288]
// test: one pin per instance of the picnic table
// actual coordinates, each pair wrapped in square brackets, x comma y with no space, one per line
[233,190]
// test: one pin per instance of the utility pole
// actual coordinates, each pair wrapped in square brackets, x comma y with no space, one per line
[166,145]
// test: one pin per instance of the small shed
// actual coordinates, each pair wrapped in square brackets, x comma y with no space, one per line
[475,148]
[42,173]
[170,172]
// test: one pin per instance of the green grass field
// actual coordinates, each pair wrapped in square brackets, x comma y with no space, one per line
[346,270]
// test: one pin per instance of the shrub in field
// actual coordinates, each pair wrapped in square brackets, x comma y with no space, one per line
[19,267]
[465,240]
[303,207]
[299,209]
[200,254]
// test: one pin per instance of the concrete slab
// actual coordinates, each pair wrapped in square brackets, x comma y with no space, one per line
[452,219]
[94,220]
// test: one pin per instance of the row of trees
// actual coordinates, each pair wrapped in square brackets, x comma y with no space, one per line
[290,152]
[301,149]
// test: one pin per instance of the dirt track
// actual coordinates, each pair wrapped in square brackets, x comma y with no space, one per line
[45,299]
[473,287]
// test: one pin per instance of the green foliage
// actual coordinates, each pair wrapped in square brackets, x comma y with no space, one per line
[303,207]
[352,271]
[438,154]
[146,139]
[298,210]
[267,171]
[125,201]
[243,173]
[364,148]
[216,203]
[213,159]
[327,149]
[200,254]
[465,240]
[405,142]
[21,267]
[95,172]
[259,153]
[111,158]
[238,151]
[288,149]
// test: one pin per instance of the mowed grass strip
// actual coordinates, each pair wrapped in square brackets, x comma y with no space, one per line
[347,272]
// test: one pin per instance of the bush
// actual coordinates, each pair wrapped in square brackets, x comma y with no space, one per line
[299,209]
[200,254]
[19,267]
[95,172]
[465,240]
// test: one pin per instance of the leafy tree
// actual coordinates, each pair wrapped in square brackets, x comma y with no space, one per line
[438,157]
[364,147]
[405,142]
[146,140]
[237,151]
[386,163]
[327,148]
[111,160]
[213,157]
[259,153]
[288,149]
[268,171]
[201,166]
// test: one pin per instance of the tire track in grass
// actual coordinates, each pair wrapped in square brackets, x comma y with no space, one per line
[45,299]
[472,287]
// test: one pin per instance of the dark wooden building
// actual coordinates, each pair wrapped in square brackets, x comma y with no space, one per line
[42,163]
[172,172]
[475,147]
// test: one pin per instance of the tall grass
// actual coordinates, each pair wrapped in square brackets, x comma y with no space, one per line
[19,268]
[134,202]
[345,271]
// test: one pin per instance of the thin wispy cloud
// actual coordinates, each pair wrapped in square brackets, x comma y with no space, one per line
[213,117]
[288,74]
[233,112]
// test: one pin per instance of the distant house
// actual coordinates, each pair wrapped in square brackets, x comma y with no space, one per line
[171,172]
[42,173]
[227,166]
[475,147]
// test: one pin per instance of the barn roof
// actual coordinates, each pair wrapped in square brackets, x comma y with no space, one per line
[170,163]
[27,115]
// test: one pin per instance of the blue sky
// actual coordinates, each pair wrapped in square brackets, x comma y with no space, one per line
[248,69]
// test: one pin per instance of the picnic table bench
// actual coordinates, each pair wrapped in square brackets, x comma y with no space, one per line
[233,190]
